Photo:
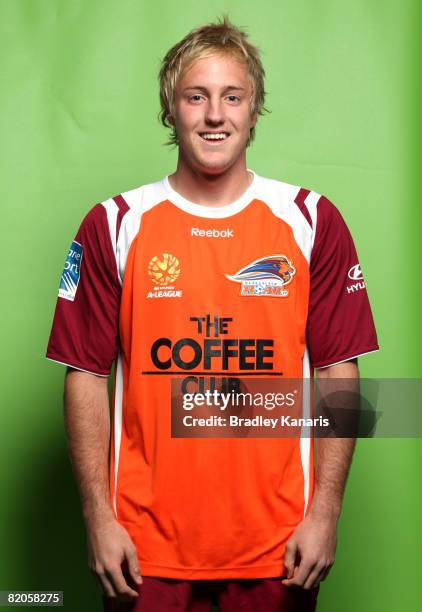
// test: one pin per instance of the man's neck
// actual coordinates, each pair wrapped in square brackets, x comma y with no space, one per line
[211,189]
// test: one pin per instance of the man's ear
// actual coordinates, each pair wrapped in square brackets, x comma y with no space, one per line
[170,119]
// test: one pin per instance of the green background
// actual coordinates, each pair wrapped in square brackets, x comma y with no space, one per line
[78,123]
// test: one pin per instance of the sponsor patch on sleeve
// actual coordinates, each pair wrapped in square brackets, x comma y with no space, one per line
[71,273]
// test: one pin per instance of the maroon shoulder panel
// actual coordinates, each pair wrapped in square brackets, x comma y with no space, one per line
[300,203]
[85,330]
[340,323]
[123,208]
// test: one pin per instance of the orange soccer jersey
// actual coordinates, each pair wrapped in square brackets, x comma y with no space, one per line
[269,286]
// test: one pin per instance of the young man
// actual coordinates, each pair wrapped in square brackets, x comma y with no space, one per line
[212,271]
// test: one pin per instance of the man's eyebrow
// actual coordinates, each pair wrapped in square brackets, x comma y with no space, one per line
[228,88]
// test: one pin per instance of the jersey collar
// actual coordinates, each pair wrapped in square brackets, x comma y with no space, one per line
[213,212]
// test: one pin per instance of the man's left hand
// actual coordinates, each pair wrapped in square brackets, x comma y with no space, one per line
[310,552]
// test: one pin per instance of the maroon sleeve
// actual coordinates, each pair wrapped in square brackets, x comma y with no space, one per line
[85,327]
[340,324]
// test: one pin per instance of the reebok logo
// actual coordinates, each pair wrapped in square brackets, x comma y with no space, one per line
[212,233]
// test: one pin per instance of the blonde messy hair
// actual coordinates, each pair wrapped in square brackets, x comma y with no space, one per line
[215,38]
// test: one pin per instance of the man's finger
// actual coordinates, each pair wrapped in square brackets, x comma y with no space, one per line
[290,557]
[105,584]
[314,578]
[301,574]
[325,572]
[133,565]
[123,590]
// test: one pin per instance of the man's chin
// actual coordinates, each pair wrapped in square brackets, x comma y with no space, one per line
[213,166]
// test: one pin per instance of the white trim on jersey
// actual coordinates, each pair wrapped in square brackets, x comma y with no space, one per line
[69,365]
[112,211]
[305,432]
[139,200]
[279,197]
[311,202]
[212,212]
[128,230]
[347,359]
[118,420]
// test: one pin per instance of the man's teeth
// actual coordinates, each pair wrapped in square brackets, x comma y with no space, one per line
[220,136]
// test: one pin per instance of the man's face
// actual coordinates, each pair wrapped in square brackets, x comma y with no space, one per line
[212,114]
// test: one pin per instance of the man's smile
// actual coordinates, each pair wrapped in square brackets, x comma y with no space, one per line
[214,138]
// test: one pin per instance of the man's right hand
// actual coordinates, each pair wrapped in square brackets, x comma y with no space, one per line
[109,546]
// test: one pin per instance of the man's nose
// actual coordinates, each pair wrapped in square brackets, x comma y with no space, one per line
[214,111]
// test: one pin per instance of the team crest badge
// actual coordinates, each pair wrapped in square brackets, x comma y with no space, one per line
[267,276]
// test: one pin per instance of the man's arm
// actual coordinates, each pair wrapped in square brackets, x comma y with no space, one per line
[310,551]
[87,421]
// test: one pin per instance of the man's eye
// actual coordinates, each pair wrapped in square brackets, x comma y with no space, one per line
[233,98]
[195,98]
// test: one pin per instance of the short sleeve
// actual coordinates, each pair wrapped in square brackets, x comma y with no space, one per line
[84,334]
[340,323]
